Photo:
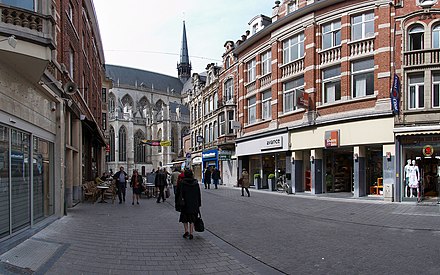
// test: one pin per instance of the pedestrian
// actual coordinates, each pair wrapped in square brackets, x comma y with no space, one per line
[160,182]
[98,180]
[190,191]
[244,182]
[121,178]
[136,183]
[207,178]
[174,179]
[215,177]
[111,172]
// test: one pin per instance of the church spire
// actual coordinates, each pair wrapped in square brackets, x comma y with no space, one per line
[184,67]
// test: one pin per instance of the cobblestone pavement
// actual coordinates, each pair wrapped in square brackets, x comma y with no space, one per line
[267,233]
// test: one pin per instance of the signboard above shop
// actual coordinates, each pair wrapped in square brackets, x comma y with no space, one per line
[331,139]
[273,142]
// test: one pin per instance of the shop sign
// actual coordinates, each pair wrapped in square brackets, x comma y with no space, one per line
[274,142]
[331,139]
[224,155]
[197,160]
[209,155]
[235,125]
[428,150]
[107,148]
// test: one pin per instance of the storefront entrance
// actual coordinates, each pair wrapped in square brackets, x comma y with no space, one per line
[339,170]
[424,152]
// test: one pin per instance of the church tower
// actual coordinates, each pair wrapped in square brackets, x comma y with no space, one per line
[184,67]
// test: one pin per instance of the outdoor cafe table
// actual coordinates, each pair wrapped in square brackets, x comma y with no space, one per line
[150,187]
[102,188]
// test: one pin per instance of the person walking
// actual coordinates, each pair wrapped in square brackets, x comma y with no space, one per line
[136,183]
[160,182]
[245,182]
[174,179]
[189,189]
[121,178]
[215,177]
[207,178]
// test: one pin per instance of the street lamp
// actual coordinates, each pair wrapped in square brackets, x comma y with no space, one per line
[11,41]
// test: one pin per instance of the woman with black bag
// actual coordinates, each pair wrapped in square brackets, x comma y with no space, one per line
[188,201]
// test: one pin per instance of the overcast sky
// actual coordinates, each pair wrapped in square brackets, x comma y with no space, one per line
[147,34]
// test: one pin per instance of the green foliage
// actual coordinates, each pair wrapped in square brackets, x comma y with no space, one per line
[256,176]
[271,176]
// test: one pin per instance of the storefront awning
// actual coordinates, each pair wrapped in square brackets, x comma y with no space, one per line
[417,130]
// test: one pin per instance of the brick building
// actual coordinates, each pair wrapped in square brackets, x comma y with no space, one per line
[314,100]
[51,70]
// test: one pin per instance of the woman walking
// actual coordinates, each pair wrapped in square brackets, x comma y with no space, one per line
[245,182]
[136,184]
[189,189]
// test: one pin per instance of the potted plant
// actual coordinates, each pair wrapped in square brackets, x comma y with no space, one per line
[271,181]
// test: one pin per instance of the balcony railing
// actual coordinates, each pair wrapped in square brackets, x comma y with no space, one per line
[42,25]
[362,47]
[292,68]
[225,101]
[265,80]
[250,87]
[422,57]
[330,55]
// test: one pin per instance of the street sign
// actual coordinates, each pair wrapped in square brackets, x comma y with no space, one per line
[235,125]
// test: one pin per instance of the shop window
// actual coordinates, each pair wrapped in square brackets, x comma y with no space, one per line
[252,110]
[362,78]
[416,92]
[362,26]
[436,90]
[266,107]
[331,35]
[293,48]
[266,63]
[251,71]
[4,177]
[331,84]
[416,34]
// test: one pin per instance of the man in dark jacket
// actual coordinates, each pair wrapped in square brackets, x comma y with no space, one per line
[207,178]
[215,177]
[160,182]
[121,178]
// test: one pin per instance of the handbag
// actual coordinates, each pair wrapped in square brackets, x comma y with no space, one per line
[199,225]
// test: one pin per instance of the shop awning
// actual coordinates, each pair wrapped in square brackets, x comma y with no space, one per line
[421,130]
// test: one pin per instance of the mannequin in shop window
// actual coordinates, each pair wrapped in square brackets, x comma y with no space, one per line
[414,178]
[407,172]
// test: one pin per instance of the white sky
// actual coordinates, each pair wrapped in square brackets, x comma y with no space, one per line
[147,34]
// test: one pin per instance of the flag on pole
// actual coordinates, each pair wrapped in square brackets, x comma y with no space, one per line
[395,92]
[156,142]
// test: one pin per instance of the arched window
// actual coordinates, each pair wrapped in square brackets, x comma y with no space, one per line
[112,144]
[215,101]
[139,148]
[206,133]
[416,34]
[174,140]
[436,37]
[122,144]
[211,134]
[111,103]
[159,137]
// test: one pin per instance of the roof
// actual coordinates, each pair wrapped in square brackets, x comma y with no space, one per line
[133,77]
[183,109]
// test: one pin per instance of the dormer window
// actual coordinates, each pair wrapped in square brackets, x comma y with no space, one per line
[254,28]
[292,6]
